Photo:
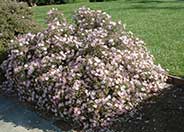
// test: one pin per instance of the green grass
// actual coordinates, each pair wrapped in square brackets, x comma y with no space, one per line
[159,23]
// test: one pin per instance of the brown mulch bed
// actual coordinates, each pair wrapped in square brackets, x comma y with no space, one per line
[163,113]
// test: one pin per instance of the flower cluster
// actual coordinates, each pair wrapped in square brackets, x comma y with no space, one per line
[91,71]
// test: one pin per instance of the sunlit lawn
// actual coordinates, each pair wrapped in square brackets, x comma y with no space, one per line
[159,23]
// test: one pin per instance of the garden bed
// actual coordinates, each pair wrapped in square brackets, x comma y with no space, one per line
[81,88]
[162,113]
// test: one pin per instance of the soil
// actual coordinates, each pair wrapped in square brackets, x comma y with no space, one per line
[163,113]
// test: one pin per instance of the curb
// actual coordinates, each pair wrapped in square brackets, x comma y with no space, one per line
[177,81]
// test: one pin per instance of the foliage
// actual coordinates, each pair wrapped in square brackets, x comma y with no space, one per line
[100,0]
[48,2]
[91,71]
[16,19]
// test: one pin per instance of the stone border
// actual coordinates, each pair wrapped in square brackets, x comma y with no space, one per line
[177,81]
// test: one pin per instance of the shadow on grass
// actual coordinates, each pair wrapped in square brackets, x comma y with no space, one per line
[153,1]
[155,4]
[154,8]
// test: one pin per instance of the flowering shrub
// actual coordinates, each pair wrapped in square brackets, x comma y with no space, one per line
[15,19]
[91,71]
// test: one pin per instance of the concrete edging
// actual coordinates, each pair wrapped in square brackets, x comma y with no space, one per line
[177,81]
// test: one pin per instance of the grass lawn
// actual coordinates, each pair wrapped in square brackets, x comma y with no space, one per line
[159,23]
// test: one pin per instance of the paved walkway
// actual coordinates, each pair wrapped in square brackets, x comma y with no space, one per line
[15,117]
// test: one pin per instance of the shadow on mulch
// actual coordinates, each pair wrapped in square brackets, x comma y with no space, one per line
[162,113]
